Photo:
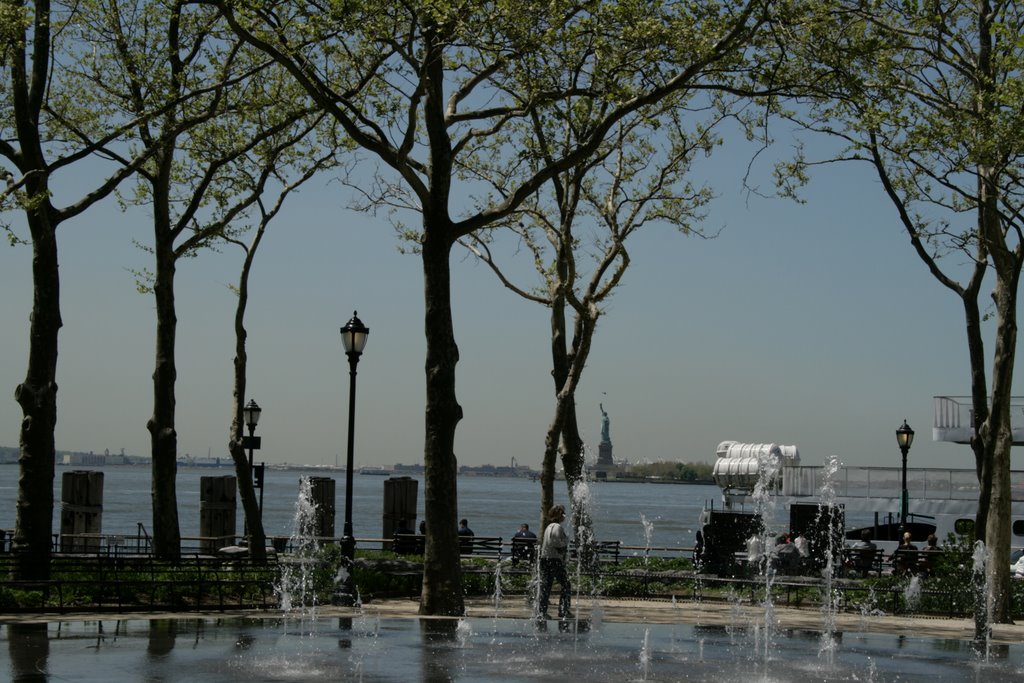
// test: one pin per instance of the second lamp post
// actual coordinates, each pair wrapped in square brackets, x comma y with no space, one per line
[353,338]
[251,416]
[904,437]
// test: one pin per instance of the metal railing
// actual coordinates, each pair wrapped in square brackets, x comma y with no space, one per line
[884,482]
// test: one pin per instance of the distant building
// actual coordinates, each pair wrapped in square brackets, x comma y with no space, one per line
[89,459]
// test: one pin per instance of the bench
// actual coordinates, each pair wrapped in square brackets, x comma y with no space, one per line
[606,552]
[101,581]
[476,546]
[481,546]
[917,562]
[409,544]
[524,550]
[864,560]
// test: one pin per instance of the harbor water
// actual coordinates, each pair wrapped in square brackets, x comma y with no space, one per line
[640,515]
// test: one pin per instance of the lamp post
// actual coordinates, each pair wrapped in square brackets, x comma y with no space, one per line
[251,416]
[353,338]
[904,437]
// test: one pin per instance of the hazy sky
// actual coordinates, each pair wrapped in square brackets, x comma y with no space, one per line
[814,325]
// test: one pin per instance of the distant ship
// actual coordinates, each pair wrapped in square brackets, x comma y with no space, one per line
[380,471]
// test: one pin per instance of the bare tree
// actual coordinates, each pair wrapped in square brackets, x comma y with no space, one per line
[307,166]
[577,231]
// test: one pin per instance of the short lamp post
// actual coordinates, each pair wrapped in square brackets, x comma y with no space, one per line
[905,438]
[251,416]
[353,338]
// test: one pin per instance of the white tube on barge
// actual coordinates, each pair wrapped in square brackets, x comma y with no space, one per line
[739,465]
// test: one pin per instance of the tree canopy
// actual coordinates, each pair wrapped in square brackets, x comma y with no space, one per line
[929,94]
[425,86]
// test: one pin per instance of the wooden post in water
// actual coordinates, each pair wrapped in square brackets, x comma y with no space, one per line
[81,511]
[216,512]
[322,492]
[399,505]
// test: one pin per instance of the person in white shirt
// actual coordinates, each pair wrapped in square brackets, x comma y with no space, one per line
[553,551]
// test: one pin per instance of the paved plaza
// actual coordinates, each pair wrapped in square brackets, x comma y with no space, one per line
[617,611]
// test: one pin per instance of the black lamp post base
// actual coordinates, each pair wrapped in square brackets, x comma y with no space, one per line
[344,596]
[345,593]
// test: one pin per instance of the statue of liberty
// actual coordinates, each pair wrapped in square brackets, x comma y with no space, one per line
[605,422]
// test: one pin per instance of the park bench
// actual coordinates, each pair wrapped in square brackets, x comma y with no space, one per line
[917,562]
[864,560]
[101,581]
[409,544]
[607,552]
[481,546]
[478,546]
[524,550]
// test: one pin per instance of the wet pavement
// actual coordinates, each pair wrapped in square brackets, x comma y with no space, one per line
[611,640]
[612,611]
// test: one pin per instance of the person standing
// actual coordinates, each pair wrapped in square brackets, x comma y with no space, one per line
[553,552]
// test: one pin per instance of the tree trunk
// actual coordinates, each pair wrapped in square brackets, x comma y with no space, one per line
[559,373]
[257,538]
[998,432]
[979,402]
[572,445]
[37,396]
[442,572]
[563,436]
[163,438]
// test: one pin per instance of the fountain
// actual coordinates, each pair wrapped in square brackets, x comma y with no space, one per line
[586,558]
[637,642]
[830,601]
[648,535]
[768,470]
[297,590]
[982,579]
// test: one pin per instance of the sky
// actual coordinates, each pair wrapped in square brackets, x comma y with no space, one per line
[811,324]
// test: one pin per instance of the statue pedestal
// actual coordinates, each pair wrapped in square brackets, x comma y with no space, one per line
[604,454]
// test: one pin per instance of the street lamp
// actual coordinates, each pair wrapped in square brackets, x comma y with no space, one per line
[904,437]
[251,416]
[353,338]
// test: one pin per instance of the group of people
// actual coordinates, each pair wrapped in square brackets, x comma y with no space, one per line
[789,553]
[908,563]
[554,551]
[864,550]
[786,554]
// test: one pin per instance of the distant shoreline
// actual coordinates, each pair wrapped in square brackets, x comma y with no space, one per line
[486,472]
[637,480]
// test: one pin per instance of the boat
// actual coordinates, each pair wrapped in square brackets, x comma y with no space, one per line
[379,471]
[765,485]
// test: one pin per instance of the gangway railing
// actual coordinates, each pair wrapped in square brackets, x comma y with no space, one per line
[886,482]
[954,419]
